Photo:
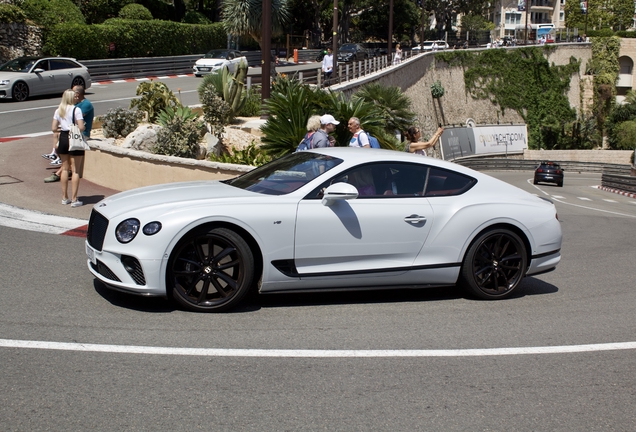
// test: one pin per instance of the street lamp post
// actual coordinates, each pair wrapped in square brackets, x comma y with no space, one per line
[266,43]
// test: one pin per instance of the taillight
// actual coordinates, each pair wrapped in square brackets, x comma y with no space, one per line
[539,170]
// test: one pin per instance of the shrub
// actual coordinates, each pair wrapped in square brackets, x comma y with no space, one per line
[155,97]
[135,11]
[212,80]
[11,14]
[252,106]
[76,40]
[181,133]
[194,17]
[119,122]
[216,111]
[251,155]
[437,91]
[48,14]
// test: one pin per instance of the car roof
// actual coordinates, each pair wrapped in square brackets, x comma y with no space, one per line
[356,155]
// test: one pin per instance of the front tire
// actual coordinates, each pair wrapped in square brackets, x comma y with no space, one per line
[20,91]
[494,265]
[210,270]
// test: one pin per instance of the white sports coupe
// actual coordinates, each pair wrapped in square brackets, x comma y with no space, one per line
[215,60]
[320,220]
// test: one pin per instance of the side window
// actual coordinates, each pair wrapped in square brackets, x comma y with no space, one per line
[42,64]
[442,182]
[382,180]
[58,64]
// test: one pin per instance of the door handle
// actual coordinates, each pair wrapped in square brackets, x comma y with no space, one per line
[415,219]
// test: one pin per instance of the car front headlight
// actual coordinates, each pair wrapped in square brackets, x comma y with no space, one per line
[4,82]
[152,228]
[127,230]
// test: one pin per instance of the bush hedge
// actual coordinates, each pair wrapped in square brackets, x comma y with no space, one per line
[12,14]
[50,13]
[133,38]
[135,12]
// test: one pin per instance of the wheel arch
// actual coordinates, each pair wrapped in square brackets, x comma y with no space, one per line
[207,226]
[501,225]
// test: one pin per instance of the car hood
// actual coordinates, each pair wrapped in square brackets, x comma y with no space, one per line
[169,196]
[210,62]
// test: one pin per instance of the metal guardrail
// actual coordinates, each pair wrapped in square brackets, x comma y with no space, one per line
[501,164]
[625,183]
[139,67]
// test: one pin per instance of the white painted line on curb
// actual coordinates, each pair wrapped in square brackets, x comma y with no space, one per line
[30,220]
[286,353]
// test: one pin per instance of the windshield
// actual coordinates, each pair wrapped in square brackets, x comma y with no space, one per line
[23,64]
[216,54]
[348,47]
[286,174]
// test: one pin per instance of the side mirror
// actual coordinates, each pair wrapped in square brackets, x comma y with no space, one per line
[38,70]
[339,192]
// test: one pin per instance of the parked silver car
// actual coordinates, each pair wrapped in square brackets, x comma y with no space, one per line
[23,77]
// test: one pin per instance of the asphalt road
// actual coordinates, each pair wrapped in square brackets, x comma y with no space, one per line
[588,302]
[35,115]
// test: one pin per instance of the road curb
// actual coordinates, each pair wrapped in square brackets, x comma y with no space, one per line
[617,191]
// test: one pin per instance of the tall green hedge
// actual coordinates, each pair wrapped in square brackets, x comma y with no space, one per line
[133,38]
[11,14]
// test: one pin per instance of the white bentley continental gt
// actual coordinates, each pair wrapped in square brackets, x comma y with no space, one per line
[324,220]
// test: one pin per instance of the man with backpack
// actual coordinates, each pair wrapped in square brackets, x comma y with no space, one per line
[360,137]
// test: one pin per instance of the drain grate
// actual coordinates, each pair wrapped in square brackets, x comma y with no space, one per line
[5,179]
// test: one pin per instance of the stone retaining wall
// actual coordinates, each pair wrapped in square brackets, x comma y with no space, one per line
[123,169]
[17,40]
[621,157]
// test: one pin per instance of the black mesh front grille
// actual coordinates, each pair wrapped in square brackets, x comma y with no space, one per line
[133,267]
[97,226]
[103,270]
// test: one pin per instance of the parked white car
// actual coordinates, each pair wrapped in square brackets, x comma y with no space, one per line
[320,220]
[24,77]
[431,46]
[215,60]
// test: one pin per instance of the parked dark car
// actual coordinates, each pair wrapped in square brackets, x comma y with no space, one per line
[549,172]
[352,52]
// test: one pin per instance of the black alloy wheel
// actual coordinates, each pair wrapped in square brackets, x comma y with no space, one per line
[494,265]
[210,270]
[20,91]
[78,81]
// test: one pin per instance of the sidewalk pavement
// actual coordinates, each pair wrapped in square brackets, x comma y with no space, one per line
[22,174]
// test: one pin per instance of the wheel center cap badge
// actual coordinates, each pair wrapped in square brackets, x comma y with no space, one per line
[207,270]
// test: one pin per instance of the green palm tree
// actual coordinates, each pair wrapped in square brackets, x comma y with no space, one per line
[371,118]
[392,103]
[289,107]
[244,17]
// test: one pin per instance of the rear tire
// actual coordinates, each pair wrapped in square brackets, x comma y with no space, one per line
[78,81]
[494,265]
[210,270]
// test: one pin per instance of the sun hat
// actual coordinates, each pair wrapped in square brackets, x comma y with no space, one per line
[328,118]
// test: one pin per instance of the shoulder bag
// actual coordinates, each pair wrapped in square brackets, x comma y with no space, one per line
[76,139]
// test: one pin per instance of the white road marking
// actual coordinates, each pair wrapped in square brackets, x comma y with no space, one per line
[580,206]
[558,197]
[609,200]
[584,199]
[286,353]
[30,220]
